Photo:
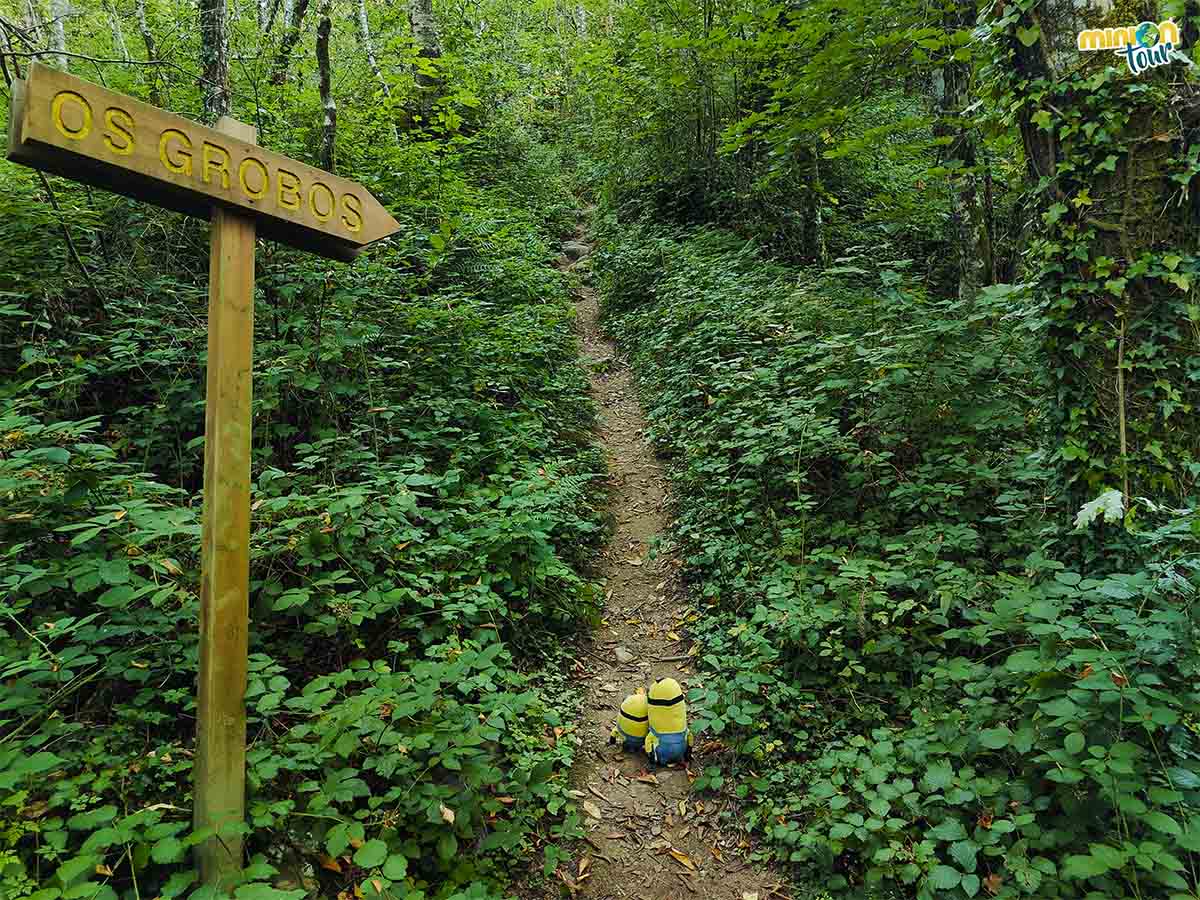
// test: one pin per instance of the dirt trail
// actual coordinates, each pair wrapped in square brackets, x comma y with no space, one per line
[652,839]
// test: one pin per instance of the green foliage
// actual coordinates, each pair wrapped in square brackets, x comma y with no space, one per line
[920,698]
[424,492]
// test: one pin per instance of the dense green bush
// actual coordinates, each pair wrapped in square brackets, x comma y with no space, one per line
[931,686]
[423,496]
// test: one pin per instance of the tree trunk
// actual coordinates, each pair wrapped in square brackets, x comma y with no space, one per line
[1115,256]
[118,35]
[214,59]
[144,29]
[293,21]
[969,235]
[151,51]
[328,104]
[364,38]
[429,51]
[59,10]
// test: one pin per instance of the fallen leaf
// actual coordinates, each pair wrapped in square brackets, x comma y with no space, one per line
[717,855]
[682,807]
[171,566]
[616,835]
[683,859]
[993,883]
[647,778]
[749,895]
[328,862]
[103,870]
[634,562]
[447,814]
[507,801]
[584,864]
[592,810]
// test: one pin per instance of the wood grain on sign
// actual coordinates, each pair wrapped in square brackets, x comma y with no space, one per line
[220,779]
[71,127]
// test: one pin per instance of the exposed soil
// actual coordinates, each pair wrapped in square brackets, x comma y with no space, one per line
[647,836]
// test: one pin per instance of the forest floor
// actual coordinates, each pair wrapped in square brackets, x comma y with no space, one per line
[647,837]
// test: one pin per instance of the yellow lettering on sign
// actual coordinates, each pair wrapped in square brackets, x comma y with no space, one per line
[120,127]
[182,163]
[289,189]
[215,158]
[263,176]
[70,103]
[352,217]
[318,188]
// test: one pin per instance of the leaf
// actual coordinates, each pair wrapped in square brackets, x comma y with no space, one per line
[1079,867]
[114,571]
[1075,743]
[73,868]
[1160,821]
[167,850]
[328,862]
[939,776]
[647,778]
[1029,36]
[447,814]
[592,810]
[683,859]
[995,738]
[943,878]
[371,854]
[1109,504]
[964,854]
[396,867]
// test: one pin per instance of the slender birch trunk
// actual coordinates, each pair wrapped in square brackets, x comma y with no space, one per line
[118,35]
[363,30]
[59,11]
[429,50]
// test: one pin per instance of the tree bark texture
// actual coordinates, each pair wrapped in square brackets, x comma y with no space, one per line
[293,21]
[214,59]
[328,104]
[429,50]
[1115,252]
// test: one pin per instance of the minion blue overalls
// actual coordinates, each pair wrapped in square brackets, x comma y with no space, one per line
[668,739]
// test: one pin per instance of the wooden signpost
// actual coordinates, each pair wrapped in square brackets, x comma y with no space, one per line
[71,127]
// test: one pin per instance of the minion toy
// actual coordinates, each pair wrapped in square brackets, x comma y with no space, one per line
[631,723]
[668,739]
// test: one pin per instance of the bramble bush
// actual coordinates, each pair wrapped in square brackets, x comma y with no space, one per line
[424,487]
[932,681]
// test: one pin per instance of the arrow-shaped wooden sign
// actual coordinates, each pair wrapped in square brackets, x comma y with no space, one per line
[71,127]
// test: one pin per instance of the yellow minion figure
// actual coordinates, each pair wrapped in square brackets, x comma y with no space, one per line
[630,729]
[668,739]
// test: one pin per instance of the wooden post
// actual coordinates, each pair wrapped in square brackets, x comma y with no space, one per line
[220,776]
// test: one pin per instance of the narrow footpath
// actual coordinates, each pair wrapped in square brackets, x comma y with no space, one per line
[647,836]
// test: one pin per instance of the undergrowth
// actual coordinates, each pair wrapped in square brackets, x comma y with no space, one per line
[931,679]
[423,493]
